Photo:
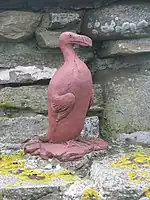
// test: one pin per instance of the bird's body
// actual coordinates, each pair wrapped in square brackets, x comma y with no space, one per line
[74,78]
[69,98]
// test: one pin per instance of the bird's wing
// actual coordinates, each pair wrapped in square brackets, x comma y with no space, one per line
[63,105]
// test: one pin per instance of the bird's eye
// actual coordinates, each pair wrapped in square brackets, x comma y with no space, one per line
[70,35]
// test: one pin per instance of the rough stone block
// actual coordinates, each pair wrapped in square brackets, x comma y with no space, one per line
[36,98]
[126,101]
[58,20]
[123,174]
[30,74]
[67,4]
[120,173]
[140,61]
[17,130]
[138,137]
[18,26]
[48,39]
[124,47]
[29,54]
[118,22]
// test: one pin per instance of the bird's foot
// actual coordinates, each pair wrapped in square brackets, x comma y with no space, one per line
[67,151]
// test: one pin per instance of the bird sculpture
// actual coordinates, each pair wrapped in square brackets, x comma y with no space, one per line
[69,98]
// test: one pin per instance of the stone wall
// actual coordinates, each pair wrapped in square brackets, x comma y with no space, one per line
[119,60]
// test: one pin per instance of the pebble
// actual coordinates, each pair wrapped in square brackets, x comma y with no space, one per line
[49,166]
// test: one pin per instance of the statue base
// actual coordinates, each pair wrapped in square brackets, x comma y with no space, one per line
[67,151]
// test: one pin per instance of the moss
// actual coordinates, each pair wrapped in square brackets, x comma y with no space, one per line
[90,194]
[6,104]
[15,165]
[3,118]
[1,195]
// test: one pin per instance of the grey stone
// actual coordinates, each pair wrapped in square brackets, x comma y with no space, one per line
[85,54]
[18,26]
[98,95]
[29,54]
[58,20]
[49,4]
[25,97]
[36,98]
[126,101]
[115,177]
[30,74]
[33,192]
[139,137]
[124,47]
[48,39]
[18,129]
[76,190]
[140,61]
[51,197]
[118,22]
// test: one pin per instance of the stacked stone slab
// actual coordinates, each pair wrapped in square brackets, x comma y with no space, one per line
[119,62]
[122,61]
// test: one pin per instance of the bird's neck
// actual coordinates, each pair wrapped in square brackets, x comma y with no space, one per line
[68,52]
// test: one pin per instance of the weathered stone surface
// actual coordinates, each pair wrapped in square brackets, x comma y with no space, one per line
[48,39]
[29,54]
[126,101]
[28,183]
[48,4]
[118,22]
[16,130]
[28,74]
[36,97]
[123,174]
[58,20]
[38,192]
[121,62]
[18,26]
[139,137]
[124,47]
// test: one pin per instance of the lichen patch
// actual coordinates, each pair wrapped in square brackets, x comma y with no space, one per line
[90,193]
[15,165]
[137,165]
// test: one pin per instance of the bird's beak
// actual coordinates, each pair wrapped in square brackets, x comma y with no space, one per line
[82,40]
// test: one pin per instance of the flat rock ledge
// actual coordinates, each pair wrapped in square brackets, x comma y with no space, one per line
[119,174]
[21,74]
[35,97]
[18,129]
[125,47]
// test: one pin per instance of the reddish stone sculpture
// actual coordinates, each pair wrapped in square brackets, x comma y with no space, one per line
[69,98]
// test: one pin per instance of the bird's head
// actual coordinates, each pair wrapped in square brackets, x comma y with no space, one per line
[73,38]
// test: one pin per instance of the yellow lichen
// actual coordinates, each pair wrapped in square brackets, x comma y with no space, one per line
[146,192]
[138,162]
[137,177]
[15,165]
[90,194]
[6,104]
